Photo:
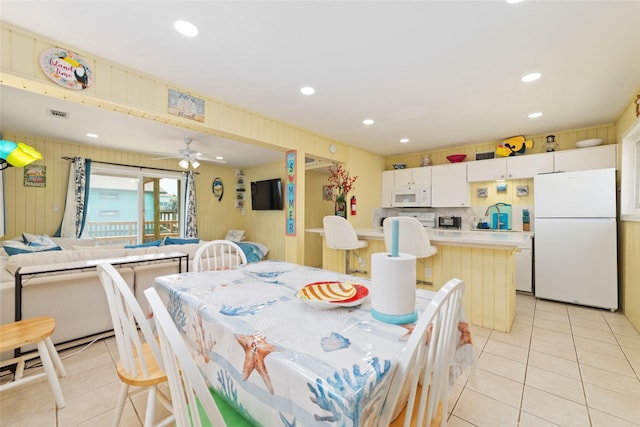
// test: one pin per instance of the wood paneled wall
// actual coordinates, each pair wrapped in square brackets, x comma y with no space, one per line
[265,226]
[316,208]
[629,240]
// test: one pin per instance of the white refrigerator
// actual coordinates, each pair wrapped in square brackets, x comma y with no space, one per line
[575,247]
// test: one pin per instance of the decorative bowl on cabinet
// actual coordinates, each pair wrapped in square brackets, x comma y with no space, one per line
[456,158]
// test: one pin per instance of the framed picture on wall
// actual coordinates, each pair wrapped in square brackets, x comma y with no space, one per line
[35,176]
[327,193]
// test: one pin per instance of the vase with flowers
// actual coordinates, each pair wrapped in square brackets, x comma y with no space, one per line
[340,183]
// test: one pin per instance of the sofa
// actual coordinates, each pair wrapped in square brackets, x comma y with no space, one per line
[75,299]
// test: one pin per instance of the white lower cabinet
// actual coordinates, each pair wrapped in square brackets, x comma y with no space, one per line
[524,270]
[449,186]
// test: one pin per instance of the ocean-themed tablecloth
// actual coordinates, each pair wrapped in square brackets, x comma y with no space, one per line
[285,361]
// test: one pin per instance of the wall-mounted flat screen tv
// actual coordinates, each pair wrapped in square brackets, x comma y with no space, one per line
[266,195]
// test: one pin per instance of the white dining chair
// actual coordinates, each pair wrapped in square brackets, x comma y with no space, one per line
[412,238]
[140,363]
[419,390]
[340,234]
[193,402]
[218,255]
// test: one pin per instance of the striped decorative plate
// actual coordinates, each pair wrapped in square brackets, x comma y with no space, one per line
[309,294]
[327,291]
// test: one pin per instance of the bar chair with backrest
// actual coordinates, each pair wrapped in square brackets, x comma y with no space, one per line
[412,238]
[340,234]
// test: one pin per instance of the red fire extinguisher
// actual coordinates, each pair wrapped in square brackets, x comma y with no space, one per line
[353,205]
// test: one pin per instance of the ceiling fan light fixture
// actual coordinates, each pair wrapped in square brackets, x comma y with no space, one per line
[195,164]
[184,164]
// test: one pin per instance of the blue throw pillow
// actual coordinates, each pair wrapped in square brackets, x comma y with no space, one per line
[145,245]
[177,241]
[252,252]
[37,239]
[21,248]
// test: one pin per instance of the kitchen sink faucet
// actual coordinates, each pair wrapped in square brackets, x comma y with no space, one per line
[486,213]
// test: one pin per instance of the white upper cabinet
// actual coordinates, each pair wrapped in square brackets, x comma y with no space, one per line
[513,167]
[413,176]
[398,177]
[487,170]
[601,157]
[528,166]
[387,187]
[449,186]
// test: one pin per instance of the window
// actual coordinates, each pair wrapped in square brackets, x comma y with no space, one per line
[130,205]
[630,181]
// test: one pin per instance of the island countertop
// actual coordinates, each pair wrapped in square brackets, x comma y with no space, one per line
[484,260]
[472,238]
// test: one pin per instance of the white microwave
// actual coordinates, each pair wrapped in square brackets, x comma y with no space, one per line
[411,196]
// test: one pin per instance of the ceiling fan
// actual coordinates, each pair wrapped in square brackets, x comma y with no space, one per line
[191,157]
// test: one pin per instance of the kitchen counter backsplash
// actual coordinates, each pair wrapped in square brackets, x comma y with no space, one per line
[470,216]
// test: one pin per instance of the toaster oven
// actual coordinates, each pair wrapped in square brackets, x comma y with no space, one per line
[450,222]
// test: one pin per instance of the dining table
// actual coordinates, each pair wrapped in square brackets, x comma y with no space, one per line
[284,356]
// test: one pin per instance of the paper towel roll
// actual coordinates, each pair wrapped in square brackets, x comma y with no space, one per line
[393,288]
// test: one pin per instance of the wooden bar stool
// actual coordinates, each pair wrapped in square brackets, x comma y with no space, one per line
[37,330]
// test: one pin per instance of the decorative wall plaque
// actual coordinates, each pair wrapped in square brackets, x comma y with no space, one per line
[66,68]
[185,105]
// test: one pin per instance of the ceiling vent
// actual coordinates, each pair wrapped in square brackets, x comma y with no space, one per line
[58,114]
[485,155]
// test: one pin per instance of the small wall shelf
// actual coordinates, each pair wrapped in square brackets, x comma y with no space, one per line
[240,190]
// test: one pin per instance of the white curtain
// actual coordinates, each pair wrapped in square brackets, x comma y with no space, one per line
[75,214]
[190,226]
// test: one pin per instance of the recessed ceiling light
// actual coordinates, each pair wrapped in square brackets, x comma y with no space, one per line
[404,140]
[531,77]
[307,90]
[513,1]
[219,158]
[368,122]
[92,135]
[186,28]
[535,115]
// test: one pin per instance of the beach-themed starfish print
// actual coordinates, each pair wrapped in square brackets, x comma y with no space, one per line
[256,349]
[409,327]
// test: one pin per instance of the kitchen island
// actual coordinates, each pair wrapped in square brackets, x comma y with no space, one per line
[484,260]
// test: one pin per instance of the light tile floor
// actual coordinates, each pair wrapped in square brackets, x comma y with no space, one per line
[561,365]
